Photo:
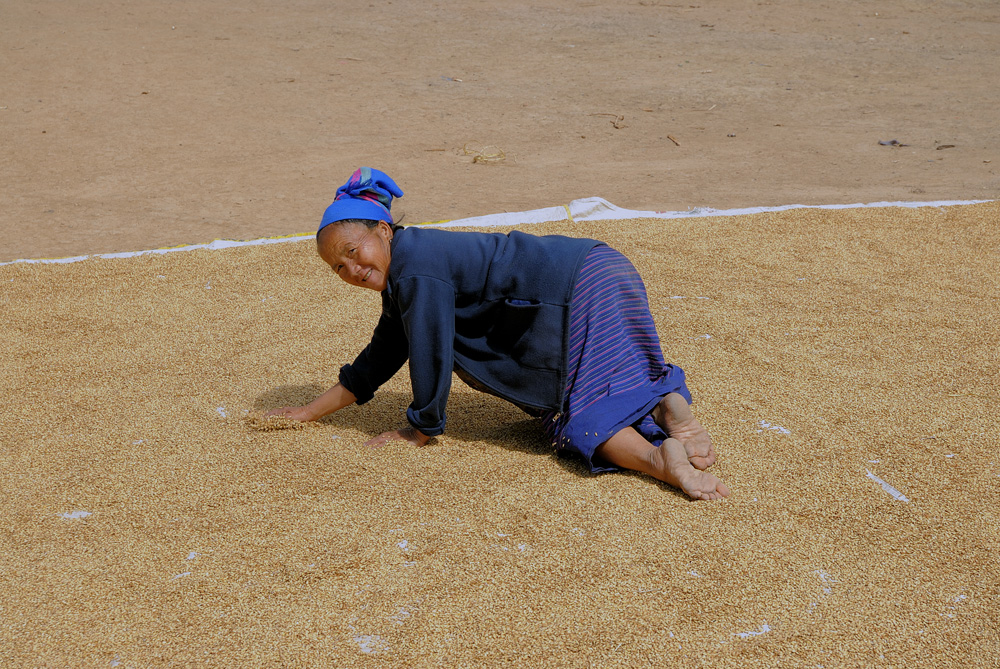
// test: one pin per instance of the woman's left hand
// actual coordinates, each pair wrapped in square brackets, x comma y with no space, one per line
[408,434]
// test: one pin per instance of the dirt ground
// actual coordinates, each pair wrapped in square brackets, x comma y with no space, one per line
[140,124]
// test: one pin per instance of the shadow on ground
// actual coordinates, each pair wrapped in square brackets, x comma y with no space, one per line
[472,417]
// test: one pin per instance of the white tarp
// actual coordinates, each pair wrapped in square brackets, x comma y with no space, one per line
[582,210]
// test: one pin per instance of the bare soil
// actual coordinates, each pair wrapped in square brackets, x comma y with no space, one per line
[132,125]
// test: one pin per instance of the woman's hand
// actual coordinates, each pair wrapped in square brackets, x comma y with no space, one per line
[301,414]
[334,399]
[408,434]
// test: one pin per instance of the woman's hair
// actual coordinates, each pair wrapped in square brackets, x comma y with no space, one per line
[369,223]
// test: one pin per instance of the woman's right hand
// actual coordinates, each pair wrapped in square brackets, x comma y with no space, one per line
[300,414]
[334,399]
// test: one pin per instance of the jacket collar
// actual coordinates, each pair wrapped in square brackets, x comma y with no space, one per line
[396,230]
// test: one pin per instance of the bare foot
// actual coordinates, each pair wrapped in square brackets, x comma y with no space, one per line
[675,417]
[670,464]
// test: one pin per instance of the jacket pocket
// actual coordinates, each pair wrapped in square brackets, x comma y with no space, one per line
[530,332]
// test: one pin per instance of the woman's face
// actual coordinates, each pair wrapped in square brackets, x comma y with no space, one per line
[357,254]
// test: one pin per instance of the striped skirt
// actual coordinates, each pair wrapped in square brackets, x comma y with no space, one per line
[616,373]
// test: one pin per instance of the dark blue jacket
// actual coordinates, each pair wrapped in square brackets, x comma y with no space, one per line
[494,306]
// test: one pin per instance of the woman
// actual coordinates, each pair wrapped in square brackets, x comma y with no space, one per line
[556,325]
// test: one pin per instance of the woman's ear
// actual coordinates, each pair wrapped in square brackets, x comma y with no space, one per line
[385,229]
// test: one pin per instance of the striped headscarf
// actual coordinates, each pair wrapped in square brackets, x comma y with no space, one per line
[367,195]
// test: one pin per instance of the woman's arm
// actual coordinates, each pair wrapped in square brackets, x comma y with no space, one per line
[337,398]
[334,399]
[427,310]
[374,365]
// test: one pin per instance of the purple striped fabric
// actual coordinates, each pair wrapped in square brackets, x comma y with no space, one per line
[616,368]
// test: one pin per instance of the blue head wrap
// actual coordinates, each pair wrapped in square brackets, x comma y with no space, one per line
[367,195]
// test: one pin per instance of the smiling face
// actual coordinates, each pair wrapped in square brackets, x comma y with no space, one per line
[358,254]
